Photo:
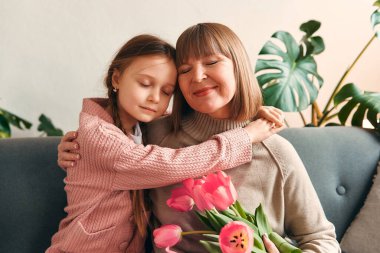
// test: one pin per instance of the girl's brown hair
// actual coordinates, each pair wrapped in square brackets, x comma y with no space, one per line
[137,46]
[206,39]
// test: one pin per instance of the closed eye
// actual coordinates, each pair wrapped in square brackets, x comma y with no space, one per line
[167,92]
[183,71]
[211,63]
[144,84]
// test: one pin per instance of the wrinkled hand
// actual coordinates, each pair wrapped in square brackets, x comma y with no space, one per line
[271,114]
[261,129]
[269,245]
[67,149]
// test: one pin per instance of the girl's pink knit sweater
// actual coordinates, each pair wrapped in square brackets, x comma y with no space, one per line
[99,215]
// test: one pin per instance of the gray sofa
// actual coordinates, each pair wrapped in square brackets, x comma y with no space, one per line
[341,162]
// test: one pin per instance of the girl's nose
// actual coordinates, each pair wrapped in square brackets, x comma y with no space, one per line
[154,96]
[199,74]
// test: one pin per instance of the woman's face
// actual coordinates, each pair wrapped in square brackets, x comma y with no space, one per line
[208,84]
[145,88]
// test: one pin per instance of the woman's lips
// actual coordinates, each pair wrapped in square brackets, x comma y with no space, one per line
[204,91]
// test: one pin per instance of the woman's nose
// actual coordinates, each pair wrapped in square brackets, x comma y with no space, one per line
[199,74]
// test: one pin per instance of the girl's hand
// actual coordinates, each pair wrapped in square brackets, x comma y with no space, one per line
[271,114]
[67,149]
[269,245]
[261,129]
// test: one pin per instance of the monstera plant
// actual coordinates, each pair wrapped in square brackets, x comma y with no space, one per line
[7,119]
[287,73]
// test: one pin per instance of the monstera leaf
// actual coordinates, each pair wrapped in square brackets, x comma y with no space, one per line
[375,19]
[7,119]
[47,127]
[289,77]
[363,103]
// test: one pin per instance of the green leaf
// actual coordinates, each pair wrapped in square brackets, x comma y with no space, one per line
[318,44]
[213,221]
[47,127]
[310,27]
[211,247]
[262,221]
[289,80]
[365,103]
[257,250]
[221,218]
[240,209]
[212,237]
[15,120]
[375,20]
[377,3]
[282,245]
[203,219]
[345,92]
[5,130]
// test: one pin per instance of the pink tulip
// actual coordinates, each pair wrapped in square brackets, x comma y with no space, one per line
[201,198]
[219,190]
[236,237]
[180,200]
[167,236]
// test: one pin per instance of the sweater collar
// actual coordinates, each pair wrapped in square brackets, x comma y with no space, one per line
[96,107]
[202,126]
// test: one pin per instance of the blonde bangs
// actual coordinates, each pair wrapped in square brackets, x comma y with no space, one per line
[200,41]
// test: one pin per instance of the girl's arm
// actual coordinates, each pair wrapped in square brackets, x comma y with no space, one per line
[68,148]
[139,167]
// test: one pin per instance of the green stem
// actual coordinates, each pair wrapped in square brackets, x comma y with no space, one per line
[235,211]
[303,118]
[199,232]
[332,116]
[340,83]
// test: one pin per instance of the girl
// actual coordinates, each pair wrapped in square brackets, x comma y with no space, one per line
[105,208]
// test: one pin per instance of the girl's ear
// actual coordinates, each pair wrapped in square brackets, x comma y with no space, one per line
[115,78]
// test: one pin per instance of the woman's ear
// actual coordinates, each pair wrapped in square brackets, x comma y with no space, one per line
[115,78]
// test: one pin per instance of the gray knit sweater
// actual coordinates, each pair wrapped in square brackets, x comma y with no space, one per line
[276,177]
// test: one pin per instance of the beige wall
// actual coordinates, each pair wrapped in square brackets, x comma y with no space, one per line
[53,52]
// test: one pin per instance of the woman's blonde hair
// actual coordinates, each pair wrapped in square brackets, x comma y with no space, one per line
[137,46]
[206,39]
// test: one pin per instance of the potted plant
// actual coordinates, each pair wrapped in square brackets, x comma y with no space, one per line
[7,119]
[290,80]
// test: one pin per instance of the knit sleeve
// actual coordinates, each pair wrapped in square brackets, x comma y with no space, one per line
[141,167]
[305,220]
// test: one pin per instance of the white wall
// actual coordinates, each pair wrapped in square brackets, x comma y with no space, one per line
[55,52]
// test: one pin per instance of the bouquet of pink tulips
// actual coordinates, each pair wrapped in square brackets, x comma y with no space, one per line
[232,228]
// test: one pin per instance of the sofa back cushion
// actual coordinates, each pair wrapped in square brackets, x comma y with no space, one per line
[341,162]
[31,193]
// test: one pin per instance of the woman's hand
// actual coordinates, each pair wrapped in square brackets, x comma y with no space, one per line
[67,149]
[269,245]
[271,114]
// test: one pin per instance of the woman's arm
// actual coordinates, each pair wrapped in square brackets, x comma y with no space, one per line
[305,220]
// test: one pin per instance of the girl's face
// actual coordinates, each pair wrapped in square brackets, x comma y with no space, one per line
[145,88]
[208,84]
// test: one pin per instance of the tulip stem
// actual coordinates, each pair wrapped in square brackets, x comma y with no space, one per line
[235,211]
[199,232]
